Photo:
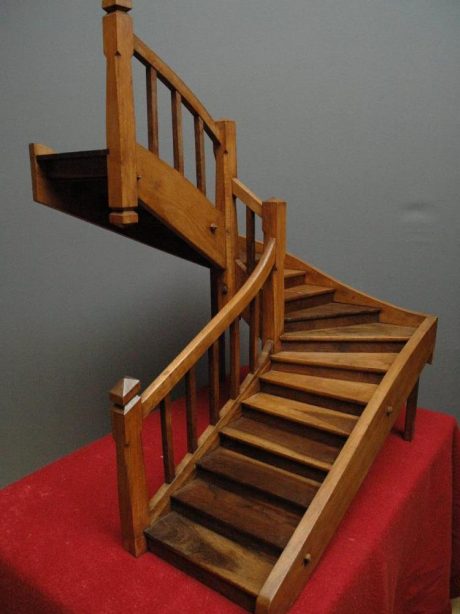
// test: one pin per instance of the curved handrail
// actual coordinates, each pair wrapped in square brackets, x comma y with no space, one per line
[176,370]
[149,58]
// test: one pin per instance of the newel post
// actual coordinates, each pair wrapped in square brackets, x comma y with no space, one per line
[274,227]
[127,421]
[120,118]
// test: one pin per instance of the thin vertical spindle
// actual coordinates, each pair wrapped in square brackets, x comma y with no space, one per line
[178,141]
[200,154]
[190,400]
[214,392]
[152,109]
[167,439]
[235,358]
[254,331]
[250,240]
[411,410]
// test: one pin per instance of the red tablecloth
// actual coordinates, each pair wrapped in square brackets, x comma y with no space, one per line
[60,543]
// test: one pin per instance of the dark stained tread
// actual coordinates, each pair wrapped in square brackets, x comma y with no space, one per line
[265,522]
[373,362]
[261,476]
[313,416]
[344,390]
[288,273]
[224,558]
[305,291]
[329,311]
[280,442]
[375,331]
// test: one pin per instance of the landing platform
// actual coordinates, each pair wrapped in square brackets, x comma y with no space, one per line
[60,549]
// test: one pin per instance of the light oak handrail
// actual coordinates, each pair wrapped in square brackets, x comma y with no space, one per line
[247,196]
[167,76]
[177,369]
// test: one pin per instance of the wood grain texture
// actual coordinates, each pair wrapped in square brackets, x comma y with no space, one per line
[246,196]
[151,77]
[361,332]
[200,157]
[358,361]
[177,132]
[191,410]
[167,439]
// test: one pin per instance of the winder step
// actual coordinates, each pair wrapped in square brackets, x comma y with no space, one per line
[344,390]
[230,513]
[329,310]
[375,331]
[305,291]
[321,418]
[234,570]
[260,476]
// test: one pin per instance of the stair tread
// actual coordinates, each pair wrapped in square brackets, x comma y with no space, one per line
[261,476]
[375,331]
[344,390]
[293,273]
[305,291]
[356,361]
[264,521]
[283,443]
[230,561]
[329,310]
[303,413]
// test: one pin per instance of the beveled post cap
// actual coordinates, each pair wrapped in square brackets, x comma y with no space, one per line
[117,5]
[124,390]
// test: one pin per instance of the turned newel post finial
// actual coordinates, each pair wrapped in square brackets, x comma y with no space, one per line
[127,420]
[117,5]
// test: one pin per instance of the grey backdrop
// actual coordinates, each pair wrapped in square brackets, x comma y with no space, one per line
[348,109]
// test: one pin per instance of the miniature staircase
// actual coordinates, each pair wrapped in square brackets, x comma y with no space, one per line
[256,498]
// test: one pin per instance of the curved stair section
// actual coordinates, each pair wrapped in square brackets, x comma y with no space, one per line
[258,495]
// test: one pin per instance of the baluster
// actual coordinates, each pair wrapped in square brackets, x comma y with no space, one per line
[411,410]
[167,439]
[274,227]
[178,141]
[190,391]
[235,358]
[250,240]
[127,419]
[214,392]
[254,331]
[152,109]
[215,280]
[200,154]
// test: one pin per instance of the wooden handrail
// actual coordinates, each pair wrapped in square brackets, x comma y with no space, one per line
[167,76]
[247,196]
[175,371]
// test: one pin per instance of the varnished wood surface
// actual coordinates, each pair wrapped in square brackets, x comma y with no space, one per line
[239,514]
[321,418]
[329,310]
[356,392]
[361,332]
[268,479]
[357,361]
[232,562]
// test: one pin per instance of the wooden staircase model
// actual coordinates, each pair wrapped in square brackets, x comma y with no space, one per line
[254,502]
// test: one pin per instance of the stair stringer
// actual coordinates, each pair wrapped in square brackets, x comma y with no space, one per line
[320,521]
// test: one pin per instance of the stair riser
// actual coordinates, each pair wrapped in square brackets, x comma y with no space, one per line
[224,529]
[333,373]
[273,459]
[242,489]
[230,591]
[347,320]
[314,399]
[304,303]
[342,346]
[291,282]
[309,432]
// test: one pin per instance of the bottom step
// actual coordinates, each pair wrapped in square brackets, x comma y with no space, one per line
[232,569]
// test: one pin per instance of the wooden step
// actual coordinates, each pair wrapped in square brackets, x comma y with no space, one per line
[237,515]
[293,277]
[343,390]
[280,442]
[306,295]
[320,418]
[361,332]
[265,478]
[236,571]
[353,361]
[329,314]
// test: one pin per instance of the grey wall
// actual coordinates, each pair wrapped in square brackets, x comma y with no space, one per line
[347,109]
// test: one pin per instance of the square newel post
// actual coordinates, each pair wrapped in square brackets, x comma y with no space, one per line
[120,117]
[274,227]
[127,419]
